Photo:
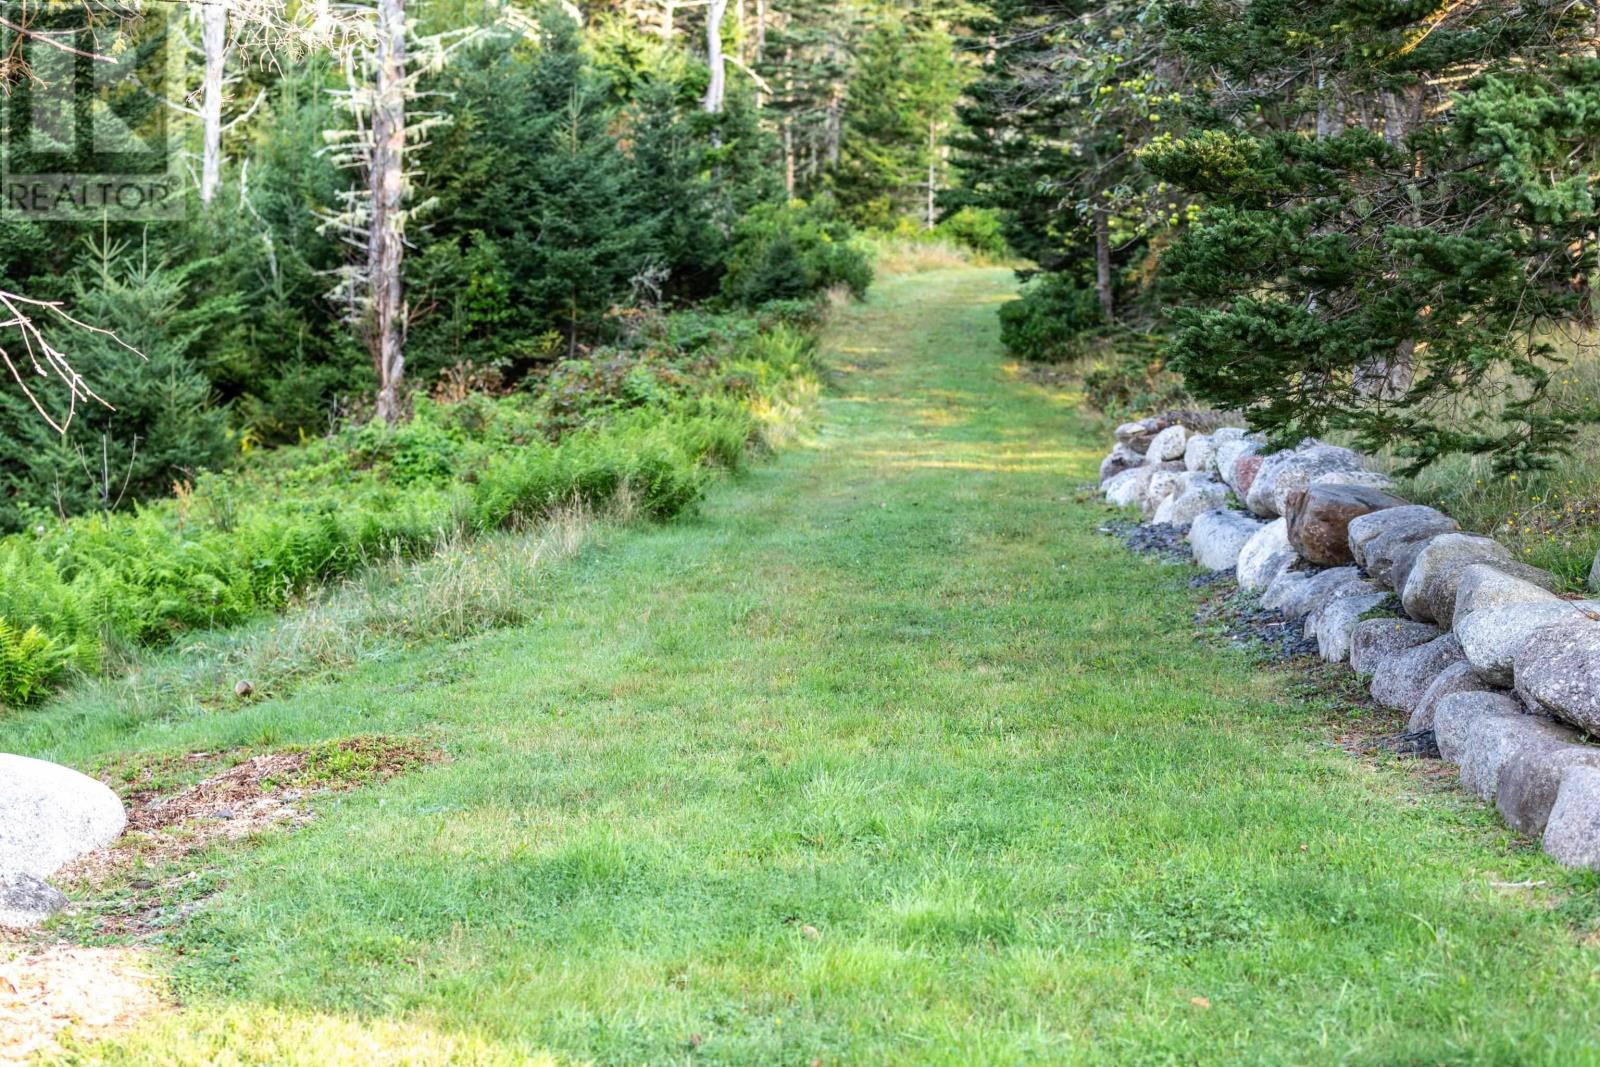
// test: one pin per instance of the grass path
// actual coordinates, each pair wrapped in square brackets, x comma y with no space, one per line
[886,757]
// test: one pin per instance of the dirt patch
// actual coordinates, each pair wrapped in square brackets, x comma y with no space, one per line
[143,884]
[91,992]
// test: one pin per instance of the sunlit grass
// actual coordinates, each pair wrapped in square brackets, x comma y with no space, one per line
[888,757]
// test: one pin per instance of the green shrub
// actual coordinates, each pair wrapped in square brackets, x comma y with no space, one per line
[977,230]
[793,251]
[1051,319]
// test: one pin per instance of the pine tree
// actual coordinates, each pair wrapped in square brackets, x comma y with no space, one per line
[163,427]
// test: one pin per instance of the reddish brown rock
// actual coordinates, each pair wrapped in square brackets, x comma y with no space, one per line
[1320,516]
[1245,469]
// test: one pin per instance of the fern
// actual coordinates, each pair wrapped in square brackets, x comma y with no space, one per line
[30,664]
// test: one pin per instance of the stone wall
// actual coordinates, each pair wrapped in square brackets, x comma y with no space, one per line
[1449,627]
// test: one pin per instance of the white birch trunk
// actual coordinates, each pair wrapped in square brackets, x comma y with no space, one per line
[385,238]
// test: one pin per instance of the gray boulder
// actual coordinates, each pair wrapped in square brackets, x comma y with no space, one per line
[1429,590]
[1494,740]
[1457,678]
[1334,624]
[1375,538]
[1264,556]
[1530,780]
[1128,489]
[1457,712]
[1202,495]
[1168,445]
[27,901]
[1164,483]
[1197,452]
[1218,536]
[1227,451]
[1572,833]
[1376,641]
[1365,479]
[1594,574]
[1138,434]
[1294,594]
[1491,638]
[1489,585]
[1559,667]
[1402,681]
[50,815]
[1284,472]
[1121,458]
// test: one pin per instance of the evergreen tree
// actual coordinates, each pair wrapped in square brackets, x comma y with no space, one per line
[163,427]
[532,185]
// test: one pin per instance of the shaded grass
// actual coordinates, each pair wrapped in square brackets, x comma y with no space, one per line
[888,757]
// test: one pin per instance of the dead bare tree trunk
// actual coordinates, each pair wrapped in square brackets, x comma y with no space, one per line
[933,173]
[1102,261]
[717,90]
[385,239]
[214,45]
[788,126]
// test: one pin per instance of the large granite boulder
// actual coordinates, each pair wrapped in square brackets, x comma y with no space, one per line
[1164,482]
[1572,834]
[1296,593]
[1168,445]
[1494,740]
[1488,585]
[1491,638]
[1228,449]
[1197,452]
[1202,495]
[1403,680]
[1218,536]
[1320,515]
[1559,667]
[1244,472]
[1128,489]
[1283,472]
[1530,780]
[1376,641]
[1121,458]
[50,815]
[1457,713]
[1375,538]
[1429,590]
[1264,556]
[1138,434]
[1334,623]
[1365,479]
[1456,678]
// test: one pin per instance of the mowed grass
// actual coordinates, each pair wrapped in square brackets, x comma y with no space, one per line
[887,756]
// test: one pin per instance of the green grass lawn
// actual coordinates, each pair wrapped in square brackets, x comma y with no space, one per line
[887,756]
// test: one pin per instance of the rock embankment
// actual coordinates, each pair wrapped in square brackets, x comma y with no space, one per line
[1449,627]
